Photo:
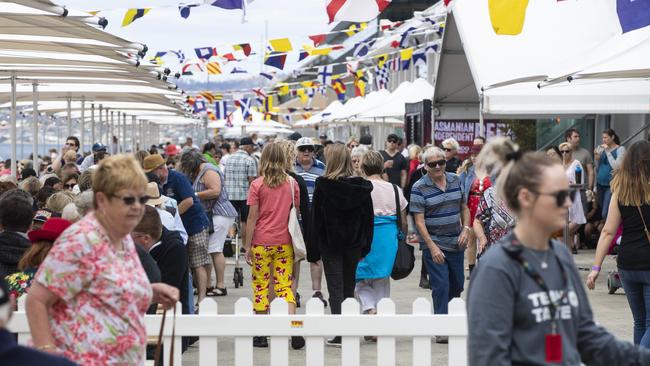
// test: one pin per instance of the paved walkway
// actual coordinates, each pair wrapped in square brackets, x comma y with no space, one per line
[611,311]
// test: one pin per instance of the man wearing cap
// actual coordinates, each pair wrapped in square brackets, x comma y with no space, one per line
[90,159]
[239,173]
[178,187]
[310,168]
[13,354]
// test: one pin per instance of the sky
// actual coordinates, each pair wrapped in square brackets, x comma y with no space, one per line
[163,28]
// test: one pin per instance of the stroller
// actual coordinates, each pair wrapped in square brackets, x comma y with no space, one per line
[613,278]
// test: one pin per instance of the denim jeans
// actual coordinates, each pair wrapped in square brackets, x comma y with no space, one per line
[604,196]
[637,291]
[446,279]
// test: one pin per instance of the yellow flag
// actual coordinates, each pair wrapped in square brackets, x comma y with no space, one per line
[283,89]
[356,28]
[507,16]
[133,14]
[320,51]
[280,45]
[307,84]
[406,54]
[382,60]
[304,98]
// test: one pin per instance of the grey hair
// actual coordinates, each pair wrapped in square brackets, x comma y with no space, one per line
[492,158]
[431,153]
[452,142]
[190,162]
[359,151]
[84,202]
[71,213]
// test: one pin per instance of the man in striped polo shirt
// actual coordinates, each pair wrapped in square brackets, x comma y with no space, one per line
[310,168]
[441,217]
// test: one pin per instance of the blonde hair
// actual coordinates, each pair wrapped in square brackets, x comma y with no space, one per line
[414,151]
[118,172]
[565,144]
[31,185]
[70,157]
[631,181]
[492,158]
[372,163]
[59,200]
[289,151]
[339,161]
[272,165]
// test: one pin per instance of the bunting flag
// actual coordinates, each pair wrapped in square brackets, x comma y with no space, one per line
[355,28]
[633,14]
[352,67]
[190,101]
[229,4]
[191,67]
[300,93]
[288,117]
[245,105]
[244,47]
[507,16]
[303,55]
[324,51]
[268,104]
[361,49]
[275,60]
[133,14]
[283,89]
[406,56]
[325,74]
[318,39]
[157,58]
[237,70]
[381,60]
[385,24]
[221,109]
[382,76]
[259,92]
[209,97]
[212,116]
[180,55]
[185,10]
[420,57]
[280,45]
[339,89]
[268,75]
[355,10]
[359,83]
[199,105]
[205,52]
[214,68]
[404,37]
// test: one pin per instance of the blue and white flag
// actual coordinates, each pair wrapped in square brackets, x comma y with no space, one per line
[325,74]
[221,109]
[633,14]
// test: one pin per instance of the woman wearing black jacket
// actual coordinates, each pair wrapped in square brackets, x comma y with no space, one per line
[342,225]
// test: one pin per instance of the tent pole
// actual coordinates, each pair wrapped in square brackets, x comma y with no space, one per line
[36,164]
[92,125]
[480,116]
[118,132]
[111,133]
[133,135]
[13,124]
[101,110]
[140,139]
[69,116]
[124,138]
[82,135]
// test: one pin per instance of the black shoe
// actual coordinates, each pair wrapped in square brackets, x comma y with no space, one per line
[319,295]
[424,283]
[297,300]
[335,342]
[297,342]
[442,339]
[574,250]
[260,342]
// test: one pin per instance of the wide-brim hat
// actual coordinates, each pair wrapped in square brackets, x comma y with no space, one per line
[50,230]
[152,162]
[155,198]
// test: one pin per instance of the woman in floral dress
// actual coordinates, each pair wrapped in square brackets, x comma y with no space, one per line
[89,296]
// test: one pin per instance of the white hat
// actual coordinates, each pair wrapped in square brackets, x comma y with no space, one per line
[304,141]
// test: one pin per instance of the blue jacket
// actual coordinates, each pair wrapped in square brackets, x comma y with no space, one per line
[466,180]
[15,355]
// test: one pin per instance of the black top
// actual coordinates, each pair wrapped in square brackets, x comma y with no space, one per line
[171,257]
[452,165]
[635,248]
[399,164]
[15,355]
[149,264]
[12,247]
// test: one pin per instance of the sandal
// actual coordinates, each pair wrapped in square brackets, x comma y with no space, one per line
[211,291]
[220,291]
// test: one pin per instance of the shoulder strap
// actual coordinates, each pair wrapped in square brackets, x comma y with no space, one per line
[293,200]
[645,227]
[397,207]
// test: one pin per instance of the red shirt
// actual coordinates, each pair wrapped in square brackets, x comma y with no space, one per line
[273,207]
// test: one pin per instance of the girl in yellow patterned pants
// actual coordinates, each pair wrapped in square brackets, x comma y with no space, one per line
[280,258]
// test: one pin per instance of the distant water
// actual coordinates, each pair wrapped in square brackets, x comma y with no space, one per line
[5,150]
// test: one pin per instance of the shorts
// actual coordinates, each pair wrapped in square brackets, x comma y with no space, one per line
[242,209]
[279,257]
[221,226]
[197,249]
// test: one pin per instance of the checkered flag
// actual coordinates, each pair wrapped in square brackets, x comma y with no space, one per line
[382,76]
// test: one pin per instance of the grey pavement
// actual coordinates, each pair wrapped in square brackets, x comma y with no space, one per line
[611,311]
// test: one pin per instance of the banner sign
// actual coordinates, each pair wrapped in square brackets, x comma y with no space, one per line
[464,131]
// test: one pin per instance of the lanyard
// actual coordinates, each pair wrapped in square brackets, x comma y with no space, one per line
[518,255]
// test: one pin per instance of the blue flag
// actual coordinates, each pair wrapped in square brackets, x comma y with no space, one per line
[633,14]
[221,109]
[229,4]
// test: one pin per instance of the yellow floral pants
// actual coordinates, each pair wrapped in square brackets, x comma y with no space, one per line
[280,259]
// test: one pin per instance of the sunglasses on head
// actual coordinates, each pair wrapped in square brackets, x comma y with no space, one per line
[438,163]
[130,200]
[561,196]
[306,149]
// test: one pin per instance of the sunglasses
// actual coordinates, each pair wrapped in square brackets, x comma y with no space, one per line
[561,196]
[353,146]
[130,200]
[69,186]
[564,151]
[392,141]
[435,164]
[306,149]
[446,149]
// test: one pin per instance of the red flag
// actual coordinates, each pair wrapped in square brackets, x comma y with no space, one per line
[318,39]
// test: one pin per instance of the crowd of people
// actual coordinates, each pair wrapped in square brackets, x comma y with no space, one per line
[97,241]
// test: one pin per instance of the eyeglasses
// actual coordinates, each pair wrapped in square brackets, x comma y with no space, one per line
[435,164]
[130,200]
[392,141]
[306,149]
[565,152]
[560,196]
[446,149]
[69,186]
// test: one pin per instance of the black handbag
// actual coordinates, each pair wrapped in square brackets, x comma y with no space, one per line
[405,258]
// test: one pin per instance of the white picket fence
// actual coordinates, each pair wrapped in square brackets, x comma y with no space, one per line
[314,325]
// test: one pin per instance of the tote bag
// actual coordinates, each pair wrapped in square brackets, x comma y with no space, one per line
[299,249]
[405,258]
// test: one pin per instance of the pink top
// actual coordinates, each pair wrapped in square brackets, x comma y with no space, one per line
[383,198]
[99,319]
[273,207]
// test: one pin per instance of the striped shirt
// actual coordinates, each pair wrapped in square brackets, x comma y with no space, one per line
[219,206]
[441,209]
[317,169]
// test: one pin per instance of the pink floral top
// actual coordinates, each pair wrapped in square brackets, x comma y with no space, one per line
[99,319]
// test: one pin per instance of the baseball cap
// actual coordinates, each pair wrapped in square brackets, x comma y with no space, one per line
[152,162]
[294,136]
[365,140]
[322,136]
[304,141]
[246,141]
[98,146]
[42,215]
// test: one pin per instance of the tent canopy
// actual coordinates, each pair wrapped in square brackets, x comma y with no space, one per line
[406,92]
